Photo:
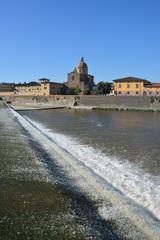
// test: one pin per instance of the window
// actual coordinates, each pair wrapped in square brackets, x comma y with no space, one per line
[119,85]
[137,93]
[157,93]
[128,85]
[137,85]
[72,77]
[128,93]
[150,93]
[45,88]
[119,92]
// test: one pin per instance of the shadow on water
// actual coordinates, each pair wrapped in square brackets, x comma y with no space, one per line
[49,210]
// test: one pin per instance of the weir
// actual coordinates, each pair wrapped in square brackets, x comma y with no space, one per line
[136,213]
[37,200]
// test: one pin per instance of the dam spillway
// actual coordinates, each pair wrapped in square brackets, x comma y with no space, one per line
[40,199]
[37,200]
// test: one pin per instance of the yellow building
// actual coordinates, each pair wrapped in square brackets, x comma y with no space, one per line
[132,86]
[152,89]
[41,88]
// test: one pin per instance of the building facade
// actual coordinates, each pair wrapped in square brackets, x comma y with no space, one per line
[6,89]
[132,86]
[152,89]
[80,77]
[41,88]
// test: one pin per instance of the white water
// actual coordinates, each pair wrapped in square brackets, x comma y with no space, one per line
[123,176]
[140,187]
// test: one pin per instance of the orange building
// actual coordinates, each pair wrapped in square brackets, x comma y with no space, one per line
[132,86]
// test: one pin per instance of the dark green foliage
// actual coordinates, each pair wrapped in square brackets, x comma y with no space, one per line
[103,88]
[61,90]
[155,99]
[75,91]
[152,100]
[87,92]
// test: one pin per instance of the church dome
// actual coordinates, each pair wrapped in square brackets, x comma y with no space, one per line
[82,66]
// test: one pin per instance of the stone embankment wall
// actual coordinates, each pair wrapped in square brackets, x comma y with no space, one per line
[24,102]
[6,94]
[106,102]
[121,102]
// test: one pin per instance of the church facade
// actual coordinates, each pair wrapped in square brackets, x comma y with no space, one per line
[80,77]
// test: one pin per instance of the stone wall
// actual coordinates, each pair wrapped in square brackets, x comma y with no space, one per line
[121,101]
[41,101]
[6,94]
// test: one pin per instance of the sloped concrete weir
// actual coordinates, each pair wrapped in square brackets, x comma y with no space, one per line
[51,194]
[37,199]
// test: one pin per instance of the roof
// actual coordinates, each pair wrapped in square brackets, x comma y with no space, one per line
[153,85]
[27,84]
[6,84]
[131,79]
[57,83]
[30,84]
[43,79]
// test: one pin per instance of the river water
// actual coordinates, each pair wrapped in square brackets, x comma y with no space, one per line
[79,174]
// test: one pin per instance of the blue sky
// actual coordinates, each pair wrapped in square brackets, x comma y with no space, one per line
[45,38]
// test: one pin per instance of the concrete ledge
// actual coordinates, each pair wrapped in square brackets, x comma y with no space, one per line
[25,108]
[127,109]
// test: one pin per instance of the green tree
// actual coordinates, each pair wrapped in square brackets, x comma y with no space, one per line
[61,89]
[87,92]
[77,90]
[104,88]
[72,91]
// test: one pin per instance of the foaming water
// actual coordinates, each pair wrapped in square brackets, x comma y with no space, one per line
[117,181]
[37,199]
[143,188]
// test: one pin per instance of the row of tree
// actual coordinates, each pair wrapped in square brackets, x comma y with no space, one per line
[102,88]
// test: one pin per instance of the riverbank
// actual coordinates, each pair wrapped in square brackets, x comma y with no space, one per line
[43,107]
[108,103]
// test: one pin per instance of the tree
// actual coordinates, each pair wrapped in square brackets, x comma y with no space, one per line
[104,88]
[61,89]
[77,90]
[87,92]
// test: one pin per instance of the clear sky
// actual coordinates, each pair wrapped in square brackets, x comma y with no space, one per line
[46,38]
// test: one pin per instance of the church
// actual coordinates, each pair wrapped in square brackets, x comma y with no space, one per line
[80,77]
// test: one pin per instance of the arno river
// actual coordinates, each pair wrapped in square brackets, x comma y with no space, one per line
[67,174]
